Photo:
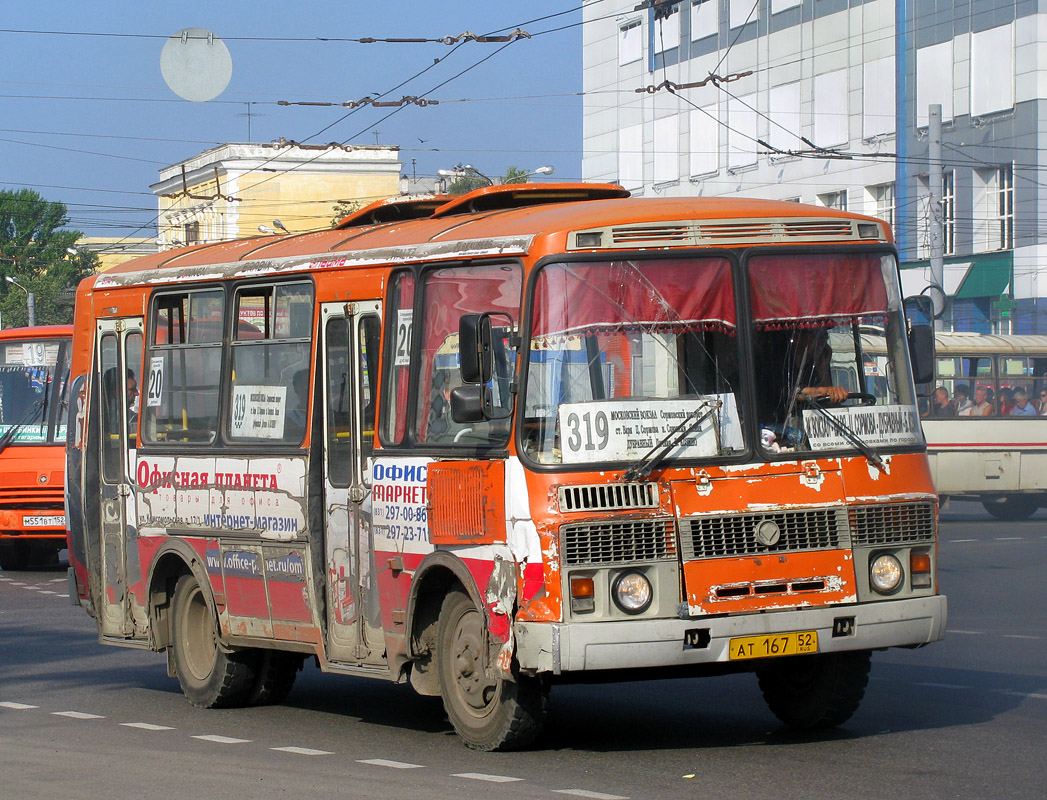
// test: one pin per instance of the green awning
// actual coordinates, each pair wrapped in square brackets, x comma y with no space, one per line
[989,276]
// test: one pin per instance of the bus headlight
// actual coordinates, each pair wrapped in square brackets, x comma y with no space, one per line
[632,592]
[886,574]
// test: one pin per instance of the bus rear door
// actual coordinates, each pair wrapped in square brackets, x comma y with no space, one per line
[350,351]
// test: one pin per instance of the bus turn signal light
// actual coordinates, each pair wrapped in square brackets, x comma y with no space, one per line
[920,570]
[583,591]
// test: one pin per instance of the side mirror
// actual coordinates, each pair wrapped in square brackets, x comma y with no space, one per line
[474,348]
[921,351]
[468,402]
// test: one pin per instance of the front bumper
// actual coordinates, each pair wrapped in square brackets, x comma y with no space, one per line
[580,646]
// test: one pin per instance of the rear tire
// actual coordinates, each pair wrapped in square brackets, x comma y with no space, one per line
[1013,508]
[816,691]
[14,556]
[487,713]
[274,677]
[209,676]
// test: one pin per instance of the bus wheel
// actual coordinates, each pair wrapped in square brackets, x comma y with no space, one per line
[487,713]
[1013,507]
[210,677]
[14,556]
[816,691]
[274,678]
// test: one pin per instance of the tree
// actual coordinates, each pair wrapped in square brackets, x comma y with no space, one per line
[467,182]
[516,175]
[34,250]
[344,208]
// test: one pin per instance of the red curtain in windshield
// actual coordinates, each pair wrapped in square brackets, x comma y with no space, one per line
[816,290]
[652,296]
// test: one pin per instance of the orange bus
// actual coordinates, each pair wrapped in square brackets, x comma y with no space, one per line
[490,443]
[34,370]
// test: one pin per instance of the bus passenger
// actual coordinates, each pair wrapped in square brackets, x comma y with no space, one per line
[1022,406]
[1043,402]
[294,427]
[942,405]
[1006,401]
[962,400]
[982,405]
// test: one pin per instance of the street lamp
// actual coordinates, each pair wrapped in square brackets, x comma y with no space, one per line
[30,300]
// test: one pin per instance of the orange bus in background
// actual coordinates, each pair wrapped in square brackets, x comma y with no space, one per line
[34,371]
[487,444]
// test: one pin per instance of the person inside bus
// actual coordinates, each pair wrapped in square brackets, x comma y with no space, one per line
[942,406]
[1043,402]
[294,426]
[982,404]
[1006,401]
[962,400]
[1022,406]
[132,403]
[438,426]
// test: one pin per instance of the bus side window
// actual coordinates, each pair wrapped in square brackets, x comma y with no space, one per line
[339,416]
[180,392]
[271,363]
[112,396]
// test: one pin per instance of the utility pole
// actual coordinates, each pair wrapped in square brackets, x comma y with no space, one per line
[935,222]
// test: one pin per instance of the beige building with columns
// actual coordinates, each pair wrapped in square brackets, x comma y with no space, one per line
[227,192]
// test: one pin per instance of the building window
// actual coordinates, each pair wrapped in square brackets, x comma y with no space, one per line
[666,28]
[949,212]
[836,200]
[994,208]
[883,196]
[630,43]
[703,19]
[743,12]
[192,232]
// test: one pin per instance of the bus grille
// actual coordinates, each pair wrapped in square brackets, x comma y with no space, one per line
[717,537]
[891,524]
[608,497]
[618,542]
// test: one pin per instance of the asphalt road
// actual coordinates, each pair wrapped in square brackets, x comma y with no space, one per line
[966,717]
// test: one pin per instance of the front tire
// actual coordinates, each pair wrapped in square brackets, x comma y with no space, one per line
[274,677]
[487,713]
[1013,508]
[816,691]
[14,556]
[209,676]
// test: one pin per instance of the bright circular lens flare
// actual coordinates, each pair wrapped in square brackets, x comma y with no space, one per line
[886,574]
[633,593]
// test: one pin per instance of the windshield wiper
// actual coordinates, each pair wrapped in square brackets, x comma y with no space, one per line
[846,431]
[656,455]
[11,432]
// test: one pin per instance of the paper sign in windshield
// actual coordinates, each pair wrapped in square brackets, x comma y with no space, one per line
[626,430]
[877,426]
[258,411]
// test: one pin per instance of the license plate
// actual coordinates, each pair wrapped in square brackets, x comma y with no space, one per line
[778,644]
[43,522]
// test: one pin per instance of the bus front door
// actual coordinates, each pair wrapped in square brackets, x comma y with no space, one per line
[118,362]
[351,334]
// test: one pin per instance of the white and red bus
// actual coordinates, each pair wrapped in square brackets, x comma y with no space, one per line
[486,444]
[34,370]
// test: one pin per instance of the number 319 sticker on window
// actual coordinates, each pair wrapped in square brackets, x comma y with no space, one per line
[156,381]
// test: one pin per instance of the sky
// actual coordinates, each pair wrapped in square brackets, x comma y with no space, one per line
[88,120]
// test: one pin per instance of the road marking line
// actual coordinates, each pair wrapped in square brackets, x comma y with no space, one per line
[47,592]
[17,706]
[592,795]
[147,726]
[303,751]
[944,685]
[381,762]
[77,715]
[1009,538]
[957,541]
[967,633]
[59,580]
[1019,636]
[1035,695]
[62,595]
[16,583]
[212,737]
[480,776]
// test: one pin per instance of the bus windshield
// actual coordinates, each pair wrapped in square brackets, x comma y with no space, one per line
[623,353]
[32,391]
[829,353]
[626,356]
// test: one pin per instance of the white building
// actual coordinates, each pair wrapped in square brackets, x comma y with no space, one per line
[825,102]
